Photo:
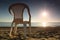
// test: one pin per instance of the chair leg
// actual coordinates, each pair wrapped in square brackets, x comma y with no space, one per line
[15,29]
[30,29]
[10,34]
[25,30]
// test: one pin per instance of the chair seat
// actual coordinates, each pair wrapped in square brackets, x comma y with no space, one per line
[27,22]
[20,21]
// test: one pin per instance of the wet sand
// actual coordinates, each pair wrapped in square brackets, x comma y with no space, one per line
[57,28]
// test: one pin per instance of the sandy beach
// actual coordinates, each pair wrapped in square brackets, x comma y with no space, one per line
[38,33]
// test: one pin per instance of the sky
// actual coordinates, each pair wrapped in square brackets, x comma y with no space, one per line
[37,10]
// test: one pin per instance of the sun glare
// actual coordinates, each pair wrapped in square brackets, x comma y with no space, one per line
[44,24]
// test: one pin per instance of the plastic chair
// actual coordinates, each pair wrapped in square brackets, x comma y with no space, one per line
[17,10]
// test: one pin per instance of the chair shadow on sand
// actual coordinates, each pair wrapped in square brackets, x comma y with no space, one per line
[17,10]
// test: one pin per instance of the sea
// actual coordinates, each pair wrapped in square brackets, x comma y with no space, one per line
[33,24]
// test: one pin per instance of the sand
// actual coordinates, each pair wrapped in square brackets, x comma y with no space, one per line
[4,31]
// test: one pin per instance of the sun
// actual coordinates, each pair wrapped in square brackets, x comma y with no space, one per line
[44,13]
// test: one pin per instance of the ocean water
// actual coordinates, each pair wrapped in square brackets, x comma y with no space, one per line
[33,24]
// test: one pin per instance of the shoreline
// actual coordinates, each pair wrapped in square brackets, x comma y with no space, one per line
[33,28]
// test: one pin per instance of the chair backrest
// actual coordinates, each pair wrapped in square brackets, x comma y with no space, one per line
[17,10]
